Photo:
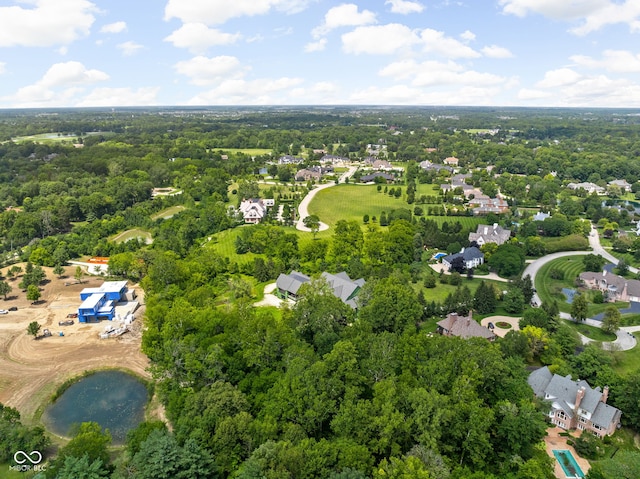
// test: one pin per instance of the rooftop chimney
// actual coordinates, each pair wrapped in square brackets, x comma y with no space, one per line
[605,394]
[579,397]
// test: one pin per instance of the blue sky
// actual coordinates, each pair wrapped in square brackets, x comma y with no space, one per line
[68,53]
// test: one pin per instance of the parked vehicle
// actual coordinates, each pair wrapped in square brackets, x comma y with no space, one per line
[72,315]
[13,308]
[67,322]
[4,311]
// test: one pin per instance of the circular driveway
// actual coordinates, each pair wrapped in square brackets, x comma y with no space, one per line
[501,332]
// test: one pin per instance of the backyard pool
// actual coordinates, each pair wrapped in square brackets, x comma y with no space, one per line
[568,463]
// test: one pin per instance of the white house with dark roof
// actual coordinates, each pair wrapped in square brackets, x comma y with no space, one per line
[472,258]
[574,404]
[588,187]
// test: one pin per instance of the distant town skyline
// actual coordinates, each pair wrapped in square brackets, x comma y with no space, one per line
[552,53]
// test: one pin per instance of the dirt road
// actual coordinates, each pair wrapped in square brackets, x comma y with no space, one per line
[31,370]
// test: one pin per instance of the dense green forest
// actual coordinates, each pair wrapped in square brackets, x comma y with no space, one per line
[318,389]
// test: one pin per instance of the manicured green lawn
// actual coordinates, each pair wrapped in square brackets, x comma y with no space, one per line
[441,291]
[5,473]
[627,362]
[56,137]
[168,213]
[130,234]
[592,332]
[352,202]
[246,151]
[549,288]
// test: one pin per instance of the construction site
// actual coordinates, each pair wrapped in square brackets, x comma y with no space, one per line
[32,369]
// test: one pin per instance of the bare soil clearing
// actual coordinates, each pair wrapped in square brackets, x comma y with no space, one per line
[31,370]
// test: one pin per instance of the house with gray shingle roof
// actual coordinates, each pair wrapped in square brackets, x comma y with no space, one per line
[344,287]
[289,284]
[490,234]
[574,404]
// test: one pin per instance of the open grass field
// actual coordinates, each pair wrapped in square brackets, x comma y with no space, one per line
[168,213]
[352,202]
[131,234]
[441,291]
[246,151]
[55,137]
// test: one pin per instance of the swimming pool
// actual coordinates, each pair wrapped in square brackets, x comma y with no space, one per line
[568,463]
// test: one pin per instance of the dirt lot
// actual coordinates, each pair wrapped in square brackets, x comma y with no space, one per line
[30,370]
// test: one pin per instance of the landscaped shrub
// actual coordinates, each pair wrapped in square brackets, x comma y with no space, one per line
[556,273]
[566,243]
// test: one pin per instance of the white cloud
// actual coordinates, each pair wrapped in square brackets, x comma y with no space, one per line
[530,94]
[405,7]
[345,15]
[71,73]
[49,22]
[197,37]
[120,97]
[3,67]
[58,86]
[212,12]
[558,10]
[437,42]
[129,48]
[206,71]
[602,91]
[594,14]
[394,37]
[620,61]
[468,36]
[379,40]
[321,92]
[405,95]
[262,91]
[433,73]
[316,46]
[494,51]
[63,50]
[559,77]
[613,13]
[117,27]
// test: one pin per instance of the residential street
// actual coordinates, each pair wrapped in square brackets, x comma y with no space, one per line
[625,340]
[303,210]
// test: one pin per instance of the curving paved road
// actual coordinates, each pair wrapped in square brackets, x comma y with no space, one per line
[624,337]
[303,208]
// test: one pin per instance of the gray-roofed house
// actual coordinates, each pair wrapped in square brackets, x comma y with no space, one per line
[463,327]
[472,258]
[540,216]
[574,404]
[289,284]
[344,287]
[490,234]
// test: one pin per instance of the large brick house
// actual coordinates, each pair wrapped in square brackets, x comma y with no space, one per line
[574,404]
[614,287]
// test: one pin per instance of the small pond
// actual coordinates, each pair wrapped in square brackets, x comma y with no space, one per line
[569,293]
[113,399]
